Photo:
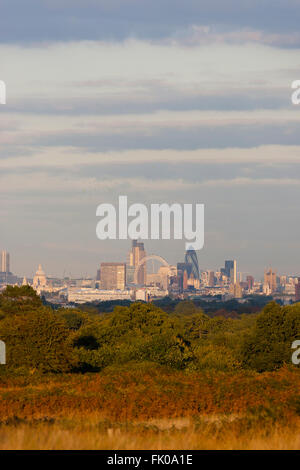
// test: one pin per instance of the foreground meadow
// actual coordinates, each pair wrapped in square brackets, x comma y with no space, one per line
[144,378]
[151,407]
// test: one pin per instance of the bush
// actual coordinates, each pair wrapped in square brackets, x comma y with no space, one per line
[18,300]
[74,318]
[214,357]
[268,347]
[37,341]
[141,332]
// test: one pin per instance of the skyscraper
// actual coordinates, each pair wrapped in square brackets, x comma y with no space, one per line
[112,276]
[297,290]
[181,267]
[250,282]
[236,290]
[191,258]
[136,254]
[211,278]
[270,280]
[230,270]
[183,272]
[5,262]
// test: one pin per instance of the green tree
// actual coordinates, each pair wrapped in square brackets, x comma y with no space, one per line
[141,332]
[74,318]
[37,341]
[268,347]
[187,307]
[17,300]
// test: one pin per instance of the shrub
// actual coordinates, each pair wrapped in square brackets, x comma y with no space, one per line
[17,300]
[37,341]
[141,332]
[214,357]
[268,347]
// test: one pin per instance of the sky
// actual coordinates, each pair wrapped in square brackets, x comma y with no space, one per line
[163,101]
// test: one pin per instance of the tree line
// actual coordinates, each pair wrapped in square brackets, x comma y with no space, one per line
[41,339]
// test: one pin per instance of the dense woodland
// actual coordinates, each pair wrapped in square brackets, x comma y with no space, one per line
[42,339]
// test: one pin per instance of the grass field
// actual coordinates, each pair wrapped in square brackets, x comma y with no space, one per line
[151,407]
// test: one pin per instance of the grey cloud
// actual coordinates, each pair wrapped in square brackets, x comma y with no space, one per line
[206,136]
[166,100]
[40,20]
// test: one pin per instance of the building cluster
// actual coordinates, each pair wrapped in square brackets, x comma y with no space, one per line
[6,276]
[131,280]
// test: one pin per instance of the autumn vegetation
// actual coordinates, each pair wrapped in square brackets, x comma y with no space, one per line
[142,377]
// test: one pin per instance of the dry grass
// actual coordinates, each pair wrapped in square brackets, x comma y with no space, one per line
[151,408]
[82,436]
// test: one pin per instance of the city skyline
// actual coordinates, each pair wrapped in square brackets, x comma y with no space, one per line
[131,259]
[132,281]
[79,270]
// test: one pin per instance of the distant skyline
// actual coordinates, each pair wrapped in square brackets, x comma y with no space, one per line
[31,272]
[168,101]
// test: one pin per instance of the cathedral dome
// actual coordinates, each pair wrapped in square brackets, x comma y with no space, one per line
[40,271]
[39,279]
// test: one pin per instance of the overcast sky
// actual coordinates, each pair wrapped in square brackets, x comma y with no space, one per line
[162,101]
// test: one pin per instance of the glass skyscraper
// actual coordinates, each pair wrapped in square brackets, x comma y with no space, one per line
[191,258]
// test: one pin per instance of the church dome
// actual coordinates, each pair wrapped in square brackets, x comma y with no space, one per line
[39,279]
[40,271]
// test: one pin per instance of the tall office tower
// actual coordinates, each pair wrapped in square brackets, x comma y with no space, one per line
[233,273]
[183,272]
[191,258]
[270,279]
[228,267]
[297,291]
[211,278]
[113,276]
[136,254]
[130,270]
[5,262]
[185,267]
[230,270]
[184,280]
[250,282]
[283,280]
[236,290]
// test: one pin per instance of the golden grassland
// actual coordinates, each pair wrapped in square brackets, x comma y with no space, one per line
[151,407]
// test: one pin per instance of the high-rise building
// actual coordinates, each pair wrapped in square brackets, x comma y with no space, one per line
[184,280]
[236,290]
[250,282]
[283,280]
[211,278]
[5,268]
[297,291]
[113,276]
[270,280]
[184,271]
[181,267]
[191,258]
[136,254]
[230,270]
[130,270]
